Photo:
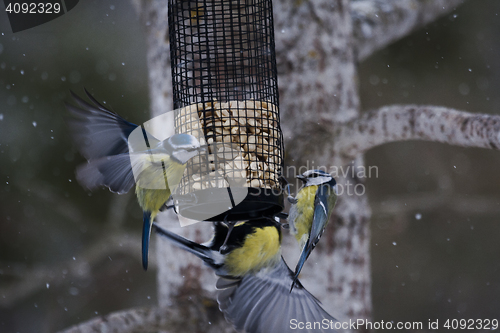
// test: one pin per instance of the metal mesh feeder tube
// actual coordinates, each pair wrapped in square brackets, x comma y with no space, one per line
[226,95]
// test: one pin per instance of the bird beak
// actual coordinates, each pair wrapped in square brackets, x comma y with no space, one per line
[302,178]
[202,149]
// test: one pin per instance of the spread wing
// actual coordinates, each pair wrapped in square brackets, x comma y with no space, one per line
[263,303]
[114,172]
[97,131]
[102,138]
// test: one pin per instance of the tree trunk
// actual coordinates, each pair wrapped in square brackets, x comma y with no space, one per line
[316,45]
[318,88]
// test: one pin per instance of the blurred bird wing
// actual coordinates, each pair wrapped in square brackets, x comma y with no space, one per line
[262,302]
[292,216]
[98,131]
[114,172]
[301,214]
[155,169]
[120,172]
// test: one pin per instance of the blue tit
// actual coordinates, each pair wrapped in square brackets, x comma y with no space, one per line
[310,211]
[118,163]
[253,284]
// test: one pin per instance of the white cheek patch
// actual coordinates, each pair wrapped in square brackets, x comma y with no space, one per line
[318,180]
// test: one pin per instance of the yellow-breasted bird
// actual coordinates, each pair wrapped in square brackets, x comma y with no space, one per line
[254,279]
[310,211]
[118,163]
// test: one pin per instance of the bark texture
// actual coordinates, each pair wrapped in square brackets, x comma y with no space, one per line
[189,318]
[318,89]
[317,73]
[418,122]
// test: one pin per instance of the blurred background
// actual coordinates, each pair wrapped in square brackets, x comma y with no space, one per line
[436,208]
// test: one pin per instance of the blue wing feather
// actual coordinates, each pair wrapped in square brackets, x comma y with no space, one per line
[321,216]
[146,235]
[114,172]
[97,131]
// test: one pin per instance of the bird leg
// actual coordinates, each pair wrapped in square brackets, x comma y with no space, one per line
[285,225]
[230,226]
[166,207]
[283,216]
[286,187]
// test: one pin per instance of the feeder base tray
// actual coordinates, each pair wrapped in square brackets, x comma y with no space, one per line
[205,205]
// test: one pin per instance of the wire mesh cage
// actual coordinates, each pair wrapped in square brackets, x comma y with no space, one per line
[225,93]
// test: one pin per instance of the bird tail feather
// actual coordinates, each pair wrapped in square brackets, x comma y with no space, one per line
[306,251]
[146,235]
[201,251]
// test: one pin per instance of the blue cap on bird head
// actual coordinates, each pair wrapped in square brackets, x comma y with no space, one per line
[182,147]
[316,177]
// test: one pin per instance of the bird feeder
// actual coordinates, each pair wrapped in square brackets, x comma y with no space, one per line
[225,93]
